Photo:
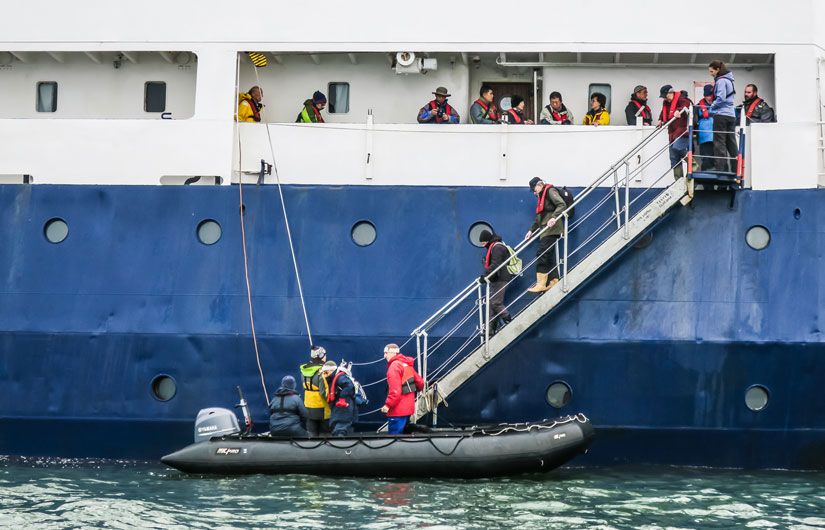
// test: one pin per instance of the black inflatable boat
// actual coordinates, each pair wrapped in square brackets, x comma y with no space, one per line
[473,452]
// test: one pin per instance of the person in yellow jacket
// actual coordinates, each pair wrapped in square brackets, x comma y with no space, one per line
[597,115]
[249,105]
[314,400]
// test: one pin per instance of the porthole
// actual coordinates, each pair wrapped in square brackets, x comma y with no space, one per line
[164,388]
[797,213]
[644,241]
[758,237]
[476,230]
[558,394]
[56,230]
[757,397]
[209,232]
[363,233]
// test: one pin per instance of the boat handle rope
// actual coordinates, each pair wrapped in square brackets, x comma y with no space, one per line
[362,441]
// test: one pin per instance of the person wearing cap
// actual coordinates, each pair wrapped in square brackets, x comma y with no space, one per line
[438,110]
[556,113]
[483,110]
[249,105]
[313,383]
[638,104]
[403,382]
[515,115]
[703,123]
[287,413]
[340,394]
[674,105]
[550,206]
[497,253]
[597,115]
[312,109]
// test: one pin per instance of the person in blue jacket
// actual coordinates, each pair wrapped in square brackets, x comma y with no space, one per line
[341,398]
[724,117]
[287,413]
[703,122]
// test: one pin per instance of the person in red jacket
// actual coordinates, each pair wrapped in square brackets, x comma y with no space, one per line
[675,105]
[403,382]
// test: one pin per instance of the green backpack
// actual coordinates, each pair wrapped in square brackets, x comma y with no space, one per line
[514,265]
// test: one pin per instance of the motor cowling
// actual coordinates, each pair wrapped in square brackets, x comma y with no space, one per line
[215,421]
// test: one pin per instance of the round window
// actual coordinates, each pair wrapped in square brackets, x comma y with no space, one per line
[476,230]
[505,103]
[756,398]
[56,230]
[363,233]
[558,394]
[758,237]
[164,388]
[209,232]
[644,241]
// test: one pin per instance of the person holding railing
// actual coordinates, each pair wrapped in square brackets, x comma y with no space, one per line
[550,206]
[675,106]
[402,382]
[497,253]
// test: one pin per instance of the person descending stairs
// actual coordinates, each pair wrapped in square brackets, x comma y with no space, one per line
[550,205]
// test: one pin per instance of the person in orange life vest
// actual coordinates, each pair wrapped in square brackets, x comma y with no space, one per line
[497,253]
[675,106]
[556,113]
[438,110]
[249,105]
[703,124]
[483,110]
[638,103]
[515,115]
[550,206]
[757,109]
[340,394]
[597,115]
[403,382]
[312,109]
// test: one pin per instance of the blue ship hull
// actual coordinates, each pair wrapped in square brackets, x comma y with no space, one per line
[658,349]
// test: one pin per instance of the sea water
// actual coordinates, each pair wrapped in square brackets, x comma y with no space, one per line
[38,493]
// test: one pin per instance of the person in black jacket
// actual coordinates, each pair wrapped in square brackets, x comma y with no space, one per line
[341,398]
[497,253]
[638,103]
[287,411]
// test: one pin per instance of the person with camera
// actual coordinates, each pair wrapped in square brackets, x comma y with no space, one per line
[438,110]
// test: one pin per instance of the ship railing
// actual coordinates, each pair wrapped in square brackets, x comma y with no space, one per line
[478,293]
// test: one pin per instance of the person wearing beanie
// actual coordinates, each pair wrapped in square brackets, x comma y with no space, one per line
[515,115]
[497,253]
[313,384]
[674,107]
[438,110]
[340,395]
[249,105]
[638,104]
[597,115]
[550,206]
[703,123]
[311,112]
[287,412]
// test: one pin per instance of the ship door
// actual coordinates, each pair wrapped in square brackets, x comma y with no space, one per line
[505,90]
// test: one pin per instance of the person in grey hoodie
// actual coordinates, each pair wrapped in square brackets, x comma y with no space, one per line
[724,117]
[287,412]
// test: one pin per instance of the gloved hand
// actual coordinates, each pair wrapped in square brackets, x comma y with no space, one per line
[341,403]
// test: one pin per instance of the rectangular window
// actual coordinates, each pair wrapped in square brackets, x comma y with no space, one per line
[338,98]
[47,96]
[155,97]
[601,88]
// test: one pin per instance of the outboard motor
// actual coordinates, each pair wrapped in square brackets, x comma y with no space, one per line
[215,422]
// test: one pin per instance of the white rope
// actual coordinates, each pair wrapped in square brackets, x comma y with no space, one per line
[286,218]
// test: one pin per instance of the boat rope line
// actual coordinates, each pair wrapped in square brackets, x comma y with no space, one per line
[243,240]
[286,218]
[401,439]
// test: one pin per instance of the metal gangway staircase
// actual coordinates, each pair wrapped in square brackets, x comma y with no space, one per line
[626,215]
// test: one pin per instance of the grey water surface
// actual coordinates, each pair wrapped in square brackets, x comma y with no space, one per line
[40,493]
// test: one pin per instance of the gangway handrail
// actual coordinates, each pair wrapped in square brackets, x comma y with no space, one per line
[472,286]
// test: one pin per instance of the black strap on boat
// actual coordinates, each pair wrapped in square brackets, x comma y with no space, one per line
[362,441]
